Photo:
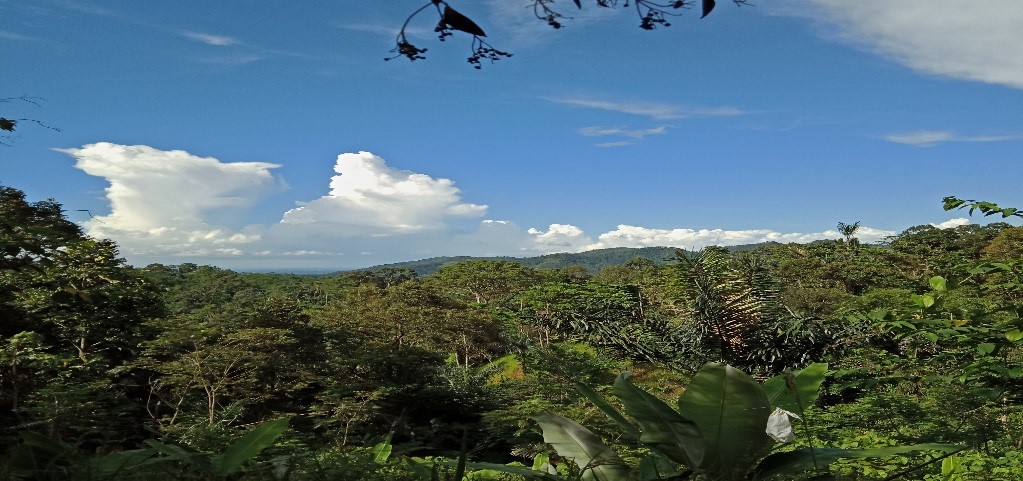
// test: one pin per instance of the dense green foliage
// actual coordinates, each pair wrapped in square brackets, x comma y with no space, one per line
[194,372]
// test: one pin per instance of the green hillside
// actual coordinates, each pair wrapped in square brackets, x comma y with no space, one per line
[593,261]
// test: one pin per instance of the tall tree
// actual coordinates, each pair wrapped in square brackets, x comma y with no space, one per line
[848,232]
[72,315]
[483,282]
[721,301]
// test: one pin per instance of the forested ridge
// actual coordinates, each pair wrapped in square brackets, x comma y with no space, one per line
[592,261]
[489,369]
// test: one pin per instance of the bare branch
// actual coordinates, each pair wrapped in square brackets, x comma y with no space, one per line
[651,14]
[9,125]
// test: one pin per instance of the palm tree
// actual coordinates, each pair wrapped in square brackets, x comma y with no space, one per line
[724,300]
[848,231]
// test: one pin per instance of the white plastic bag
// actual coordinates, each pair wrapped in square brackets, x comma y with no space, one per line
[779,425]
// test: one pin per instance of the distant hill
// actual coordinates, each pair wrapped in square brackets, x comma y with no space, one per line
[593,261]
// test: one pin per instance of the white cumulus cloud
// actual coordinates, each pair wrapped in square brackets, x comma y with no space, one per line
[559,238]
[160,200]
[978,41]
[952,223]
[170,206]
[634,236]
[369,197]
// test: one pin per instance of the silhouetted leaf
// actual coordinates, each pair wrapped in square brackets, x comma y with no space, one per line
[7,124]
[578,3]
[460,22]
[708,5]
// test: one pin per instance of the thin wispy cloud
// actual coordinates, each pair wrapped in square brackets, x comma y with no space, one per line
[633,134]
[930,138]
[621,143]
[789,125]
[209,39]
[658,111]
[8,35]
[388,30]
[92,9]
[371,28]
[516,21]
[258,52]
[621,131]
[228,60]
[978,41]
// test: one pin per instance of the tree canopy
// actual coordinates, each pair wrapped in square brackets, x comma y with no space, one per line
[107,368]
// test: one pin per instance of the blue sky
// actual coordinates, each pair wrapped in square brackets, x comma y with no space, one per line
[262,135]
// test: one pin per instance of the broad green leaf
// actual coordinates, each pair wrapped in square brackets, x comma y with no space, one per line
[113,463]
[923,301]
[951,465]
[731,410]
[663,428]
[37,453]
[250,445]
[382,450]
[541,462]
[1004,371]
[45,444]
[938,283]
[170,450]
[791,463]
[510,469]
[654,466]
[1014,335]
[594,397]
[572,440]
[991,394]
[985,348]
[798,390]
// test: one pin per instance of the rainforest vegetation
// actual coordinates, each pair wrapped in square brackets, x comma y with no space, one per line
[829,360]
